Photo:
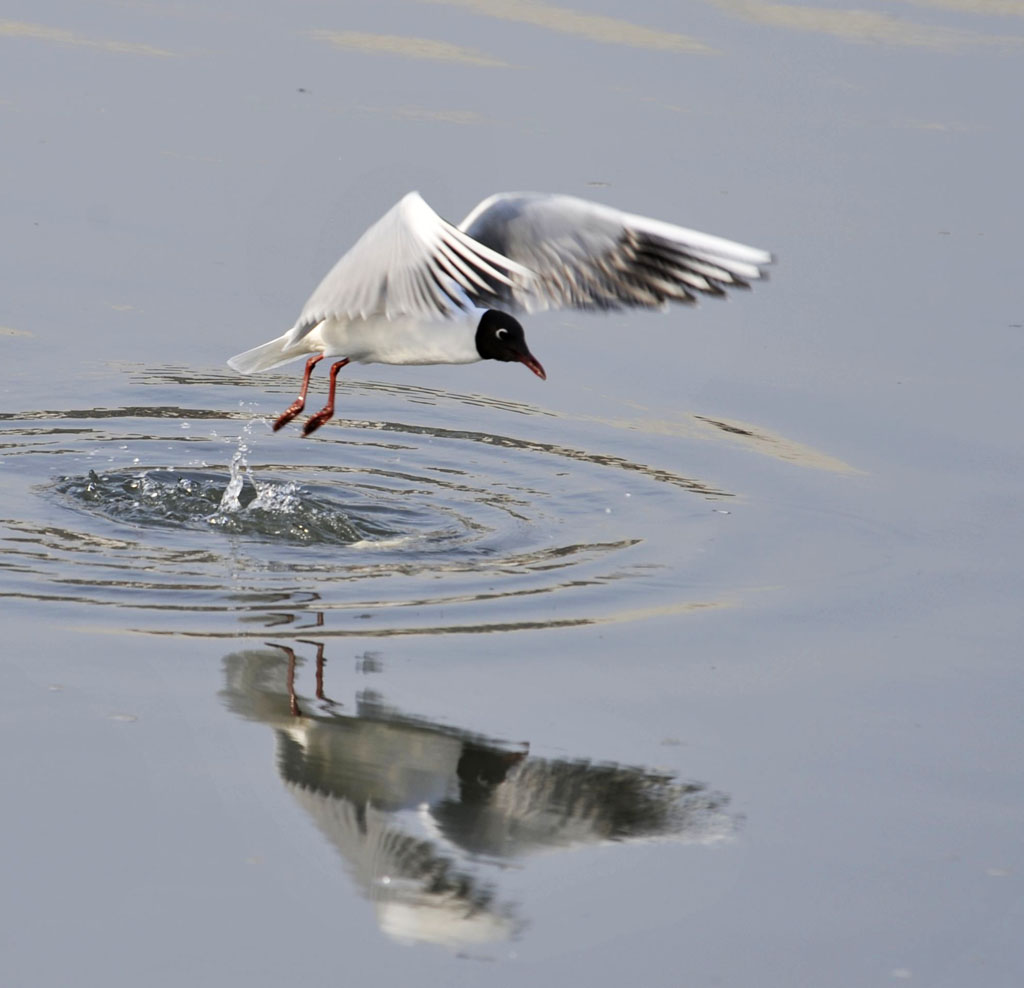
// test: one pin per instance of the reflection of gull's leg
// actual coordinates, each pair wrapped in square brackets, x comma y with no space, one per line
[293,700]
[321,661]
[324,415]
[300,403]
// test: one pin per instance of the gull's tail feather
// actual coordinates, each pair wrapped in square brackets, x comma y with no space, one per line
[269,355]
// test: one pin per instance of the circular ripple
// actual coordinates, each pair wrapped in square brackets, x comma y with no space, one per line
[379,527]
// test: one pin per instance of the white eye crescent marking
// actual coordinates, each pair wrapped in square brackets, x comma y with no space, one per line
[501,333]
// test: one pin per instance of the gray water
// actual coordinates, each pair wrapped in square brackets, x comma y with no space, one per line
[698,664]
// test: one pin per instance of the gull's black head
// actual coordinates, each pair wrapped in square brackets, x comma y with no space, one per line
[500,337]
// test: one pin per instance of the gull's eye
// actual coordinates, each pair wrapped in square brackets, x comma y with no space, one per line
[501,333]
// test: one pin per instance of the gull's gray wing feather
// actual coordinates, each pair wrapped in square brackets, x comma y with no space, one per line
[411,262]
[583,255]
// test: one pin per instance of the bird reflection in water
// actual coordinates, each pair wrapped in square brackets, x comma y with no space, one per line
[421,812]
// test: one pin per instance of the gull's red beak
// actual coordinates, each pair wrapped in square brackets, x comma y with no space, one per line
[533,363]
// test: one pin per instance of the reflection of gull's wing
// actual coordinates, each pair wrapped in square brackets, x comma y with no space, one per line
[548,804]
[419,893]
[583,255]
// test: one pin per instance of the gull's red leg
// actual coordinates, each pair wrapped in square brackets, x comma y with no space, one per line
[324,415]
[300,403]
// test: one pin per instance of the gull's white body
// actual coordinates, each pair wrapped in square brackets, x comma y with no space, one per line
[373,340]
[413,287]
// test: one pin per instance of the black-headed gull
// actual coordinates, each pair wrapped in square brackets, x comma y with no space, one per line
[417,290]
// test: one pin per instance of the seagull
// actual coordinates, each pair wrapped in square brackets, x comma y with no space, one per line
[414,289]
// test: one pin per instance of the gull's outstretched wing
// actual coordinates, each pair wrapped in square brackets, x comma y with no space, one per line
[583,255]
[411,262]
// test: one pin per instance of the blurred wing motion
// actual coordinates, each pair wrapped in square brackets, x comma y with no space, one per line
[409,263]
[583,255]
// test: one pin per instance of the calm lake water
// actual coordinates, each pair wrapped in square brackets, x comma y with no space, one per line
[698,664]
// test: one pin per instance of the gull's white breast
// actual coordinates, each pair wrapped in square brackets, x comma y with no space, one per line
[404,340]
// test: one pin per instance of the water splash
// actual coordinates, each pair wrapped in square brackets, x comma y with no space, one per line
[199,500]
[230,502]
